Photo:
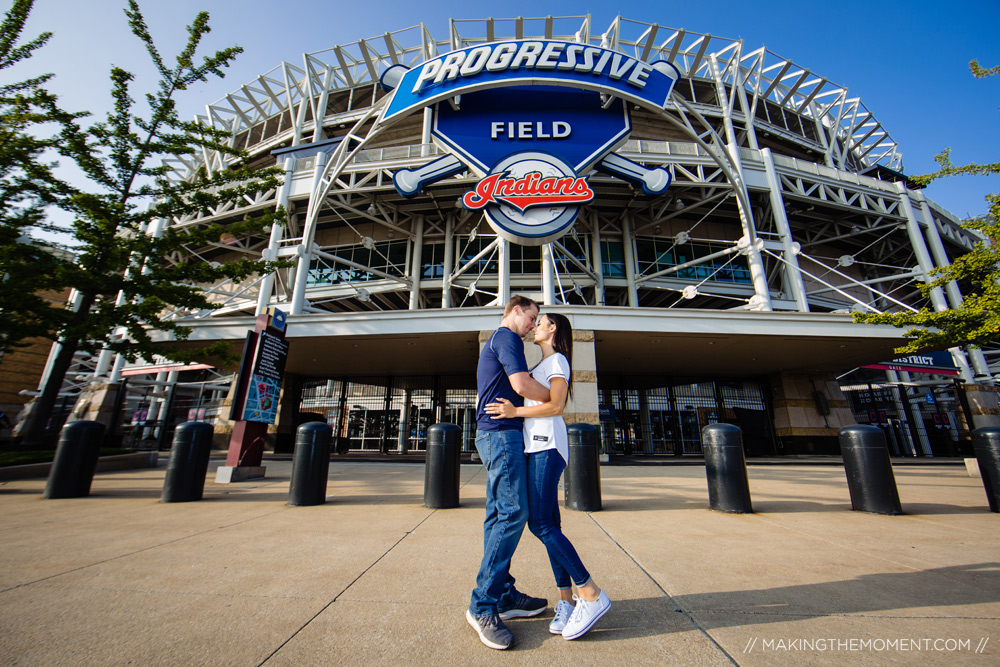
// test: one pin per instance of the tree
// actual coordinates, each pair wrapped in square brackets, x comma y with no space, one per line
[977,321]
[131,269]
[29,129]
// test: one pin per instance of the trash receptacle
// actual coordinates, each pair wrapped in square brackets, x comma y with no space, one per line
[188,465]
[310,464]
[583,470]
[442,466]
[75,461]
[726,469]
[986,444]
[869,471]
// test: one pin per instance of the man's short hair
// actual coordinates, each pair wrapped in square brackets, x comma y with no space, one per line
[518,301]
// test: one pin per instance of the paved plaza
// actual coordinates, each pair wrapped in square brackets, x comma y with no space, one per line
[374,578]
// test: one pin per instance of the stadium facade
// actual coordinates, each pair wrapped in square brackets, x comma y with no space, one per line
[726,296]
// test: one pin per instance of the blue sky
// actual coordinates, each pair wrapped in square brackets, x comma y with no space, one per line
[908,61]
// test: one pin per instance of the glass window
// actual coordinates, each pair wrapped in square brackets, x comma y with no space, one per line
[612,259]
[578,248]
[433,261]
[525,259]
[656,254]
[469,249]
[386,256]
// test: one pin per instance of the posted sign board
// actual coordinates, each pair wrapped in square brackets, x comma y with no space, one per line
[264,384]
[939,363]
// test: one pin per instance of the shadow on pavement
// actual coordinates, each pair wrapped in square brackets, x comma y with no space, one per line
[939,587]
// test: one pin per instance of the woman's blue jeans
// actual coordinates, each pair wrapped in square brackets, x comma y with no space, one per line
[502,452]
[544,470]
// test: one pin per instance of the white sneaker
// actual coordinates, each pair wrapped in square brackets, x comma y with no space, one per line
[563,611]
[585,615]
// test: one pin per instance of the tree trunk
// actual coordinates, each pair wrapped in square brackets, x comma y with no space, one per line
[34,430]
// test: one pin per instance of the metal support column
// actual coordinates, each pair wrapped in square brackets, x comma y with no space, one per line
[164,416]
[403,442]
[789,251]
[629,255]
[324,99]
[425,135]
[417,266]
[976,357]
[383,441]
[646,423]
[548,276]
[907,448]
[449,260]
[758,272]
[678,426]
[155,405]
[925,264]
[116,369]
[597,261]
[271,253]
[914,416]
[503,274]
[305,248]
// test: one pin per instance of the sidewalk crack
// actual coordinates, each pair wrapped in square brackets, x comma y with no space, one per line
[346,588]
[677,607]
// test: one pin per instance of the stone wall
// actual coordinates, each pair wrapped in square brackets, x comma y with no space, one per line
[800,401]
[984,404]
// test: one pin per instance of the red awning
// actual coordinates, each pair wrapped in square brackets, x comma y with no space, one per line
[913,369]
[146,370]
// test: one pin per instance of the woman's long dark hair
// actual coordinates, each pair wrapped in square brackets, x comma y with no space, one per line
[562,340]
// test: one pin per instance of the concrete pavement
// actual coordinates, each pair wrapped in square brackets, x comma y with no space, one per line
[373,577]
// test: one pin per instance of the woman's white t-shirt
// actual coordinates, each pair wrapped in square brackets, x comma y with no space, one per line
[541,433]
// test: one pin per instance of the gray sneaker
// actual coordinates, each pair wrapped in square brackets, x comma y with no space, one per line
[491,629]
[524,606]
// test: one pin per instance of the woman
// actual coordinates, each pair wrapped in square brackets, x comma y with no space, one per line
[547,448]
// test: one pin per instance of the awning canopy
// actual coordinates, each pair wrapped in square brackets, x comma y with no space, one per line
[627,341]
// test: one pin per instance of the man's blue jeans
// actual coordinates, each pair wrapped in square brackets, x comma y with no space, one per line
[502,452]
[544,470]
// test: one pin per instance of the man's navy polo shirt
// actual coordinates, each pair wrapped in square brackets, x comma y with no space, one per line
[502,356]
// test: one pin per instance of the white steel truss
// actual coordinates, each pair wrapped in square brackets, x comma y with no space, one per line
[835,231]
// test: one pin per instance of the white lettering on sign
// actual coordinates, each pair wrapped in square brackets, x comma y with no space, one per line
[534,55]
[475,61]
[915,360]
[525,129]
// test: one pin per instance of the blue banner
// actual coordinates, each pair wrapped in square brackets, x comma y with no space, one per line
[940,363]
[528,62]
[939,359]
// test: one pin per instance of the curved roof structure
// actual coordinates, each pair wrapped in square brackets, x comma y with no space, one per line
[789,98]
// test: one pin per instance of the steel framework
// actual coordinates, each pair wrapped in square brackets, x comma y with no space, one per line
[788,193]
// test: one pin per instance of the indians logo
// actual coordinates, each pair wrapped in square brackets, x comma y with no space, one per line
[531,195]
[527,191]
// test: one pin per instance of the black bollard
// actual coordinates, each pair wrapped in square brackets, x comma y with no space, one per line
[726,469]
[188,465]
[986,444]
[442,466]
[75,461]
[583,471]
[310,464]
[869,470]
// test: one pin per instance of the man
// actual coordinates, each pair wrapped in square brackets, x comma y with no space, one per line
[503,373]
